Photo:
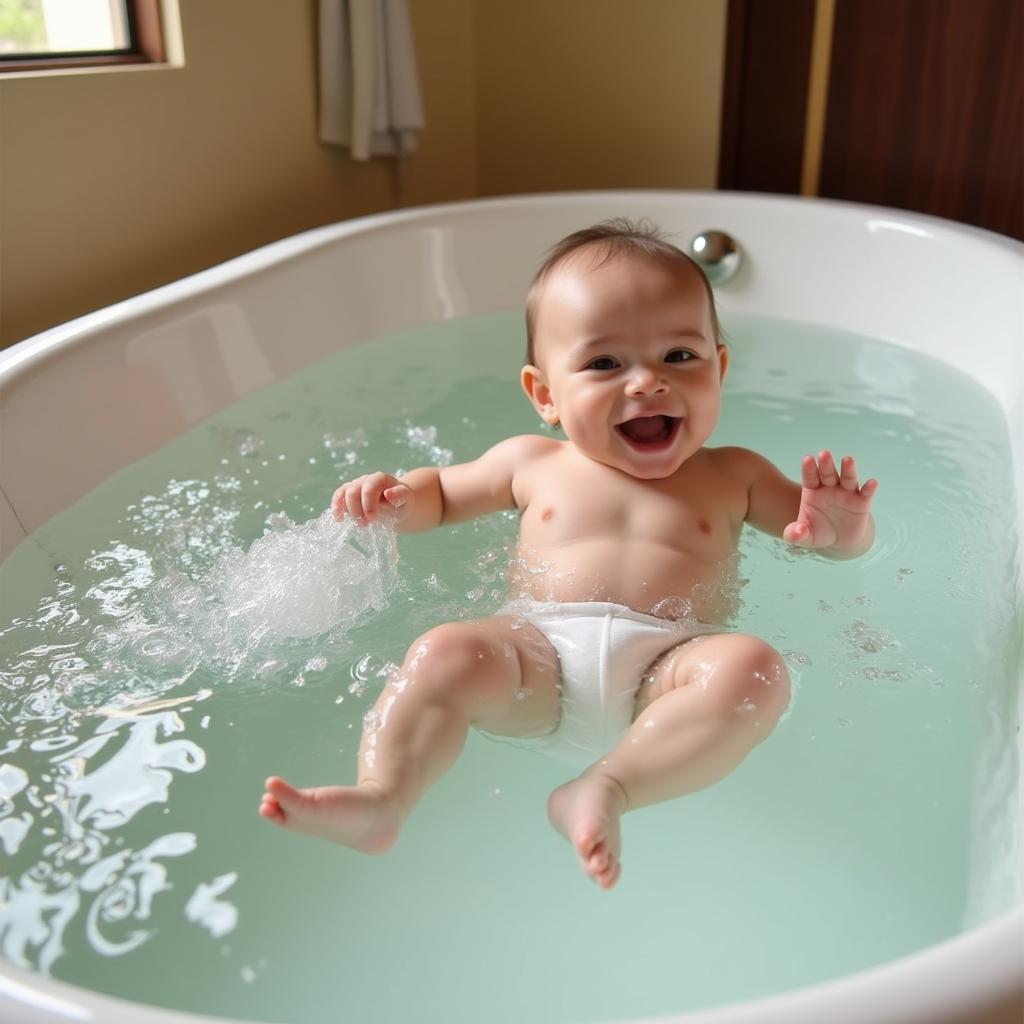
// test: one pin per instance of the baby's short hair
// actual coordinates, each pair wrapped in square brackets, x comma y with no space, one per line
[615,237]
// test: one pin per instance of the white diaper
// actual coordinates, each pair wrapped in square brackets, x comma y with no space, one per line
[604,650]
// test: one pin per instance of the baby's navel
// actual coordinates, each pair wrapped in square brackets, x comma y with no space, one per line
[547,513]
[704,526]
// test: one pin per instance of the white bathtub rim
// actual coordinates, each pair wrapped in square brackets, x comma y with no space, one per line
[26,354]
[929,986]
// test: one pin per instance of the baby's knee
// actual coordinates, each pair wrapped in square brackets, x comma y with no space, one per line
[754,680]
[451,654]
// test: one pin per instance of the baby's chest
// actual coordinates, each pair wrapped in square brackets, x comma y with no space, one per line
[569,510]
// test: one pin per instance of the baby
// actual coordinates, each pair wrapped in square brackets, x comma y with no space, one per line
[628,520]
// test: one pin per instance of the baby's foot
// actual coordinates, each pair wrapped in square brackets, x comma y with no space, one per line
[586,811]
[357,816]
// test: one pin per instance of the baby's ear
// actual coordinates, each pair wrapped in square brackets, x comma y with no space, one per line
[723,361]
[538,392]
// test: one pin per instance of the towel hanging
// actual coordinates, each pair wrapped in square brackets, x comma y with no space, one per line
[369,88]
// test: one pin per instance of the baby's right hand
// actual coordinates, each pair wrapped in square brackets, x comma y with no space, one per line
[366,496]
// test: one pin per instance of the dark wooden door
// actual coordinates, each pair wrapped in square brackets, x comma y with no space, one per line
[924,106]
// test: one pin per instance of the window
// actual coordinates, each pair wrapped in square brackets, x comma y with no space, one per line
[38,35]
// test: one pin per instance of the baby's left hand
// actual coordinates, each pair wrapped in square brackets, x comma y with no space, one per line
[834,510]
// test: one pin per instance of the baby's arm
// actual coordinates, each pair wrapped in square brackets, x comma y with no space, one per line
[827,512]
[424,498]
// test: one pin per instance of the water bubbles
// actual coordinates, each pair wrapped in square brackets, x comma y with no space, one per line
[246,443]
[186,525]
[175,537]
[434,585]
[873,673]
[676,608]
[866,638]
[131,570]
[278,522]
[369,669]
[345,450]
[226,482]
[423,440]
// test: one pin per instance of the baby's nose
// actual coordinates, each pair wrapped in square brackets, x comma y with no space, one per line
[645,381]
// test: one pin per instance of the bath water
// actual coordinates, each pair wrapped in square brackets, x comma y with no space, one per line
[137,728]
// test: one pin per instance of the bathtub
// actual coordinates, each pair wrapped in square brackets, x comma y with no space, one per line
[187,350]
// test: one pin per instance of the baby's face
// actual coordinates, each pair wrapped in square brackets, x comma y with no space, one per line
[627,362]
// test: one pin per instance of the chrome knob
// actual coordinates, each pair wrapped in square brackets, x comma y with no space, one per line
[717,254]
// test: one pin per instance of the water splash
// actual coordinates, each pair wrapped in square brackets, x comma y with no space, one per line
[297,581]
[143,623]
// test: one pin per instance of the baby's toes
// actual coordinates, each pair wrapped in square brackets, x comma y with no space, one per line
[587,842]
[602,866]
[599,860]
[271,809]
[607,875]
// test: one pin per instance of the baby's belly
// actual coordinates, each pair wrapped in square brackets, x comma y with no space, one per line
[649,578]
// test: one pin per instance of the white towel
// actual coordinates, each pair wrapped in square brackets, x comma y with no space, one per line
[369,88]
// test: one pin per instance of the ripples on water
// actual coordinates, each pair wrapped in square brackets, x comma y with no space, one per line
[97,742]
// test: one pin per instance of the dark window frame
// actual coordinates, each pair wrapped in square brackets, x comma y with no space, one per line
[146,46]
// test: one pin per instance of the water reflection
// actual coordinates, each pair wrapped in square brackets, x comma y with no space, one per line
[100,680]
[81,797]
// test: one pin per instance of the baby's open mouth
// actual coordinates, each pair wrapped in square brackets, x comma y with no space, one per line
[649,433]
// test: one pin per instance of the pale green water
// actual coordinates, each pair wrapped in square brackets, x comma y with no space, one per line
[134,861]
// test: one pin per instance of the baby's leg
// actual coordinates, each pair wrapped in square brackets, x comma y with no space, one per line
[702,708]
[456,675]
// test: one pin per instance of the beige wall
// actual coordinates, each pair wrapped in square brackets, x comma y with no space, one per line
[598,94]
[113,183]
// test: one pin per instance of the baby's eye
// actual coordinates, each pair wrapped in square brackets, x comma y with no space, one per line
[602,363]
[678,355]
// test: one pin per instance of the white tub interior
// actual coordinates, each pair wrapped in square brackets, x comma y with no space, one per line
[87,398]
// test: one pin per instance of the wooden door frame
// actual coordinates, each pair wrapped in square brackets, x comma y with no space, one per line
[764,102]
